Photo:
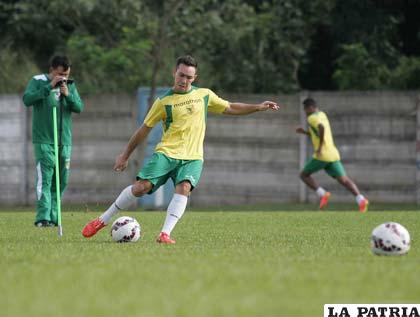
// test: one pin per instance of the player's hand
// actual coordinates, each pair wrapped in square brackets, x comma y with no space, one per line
[121,163]
[57,79]
[300,130]
[268,105]
[64,89]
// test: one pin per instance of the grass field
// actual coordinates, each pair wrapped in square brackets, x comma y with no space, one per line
[268,263]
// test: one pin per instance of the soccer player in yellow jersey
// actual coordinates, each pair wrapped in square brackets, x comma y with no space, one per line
[326,156]
[179,155]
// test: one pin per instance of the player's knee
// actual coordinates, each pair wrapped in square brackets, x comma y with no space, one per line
[183,188]
[303,175]
[141,188]
[343,180]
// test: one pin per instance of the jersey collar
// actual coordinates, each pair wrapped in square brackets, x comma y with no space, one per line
[183,93]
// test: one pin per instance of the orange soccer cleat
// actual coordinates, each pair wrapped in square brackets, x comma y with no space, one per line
[363,206]
[324,200]
[92,228]
[164,238]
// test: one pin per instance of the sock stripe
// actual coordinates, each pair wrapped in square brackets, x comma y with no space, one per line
[117,206]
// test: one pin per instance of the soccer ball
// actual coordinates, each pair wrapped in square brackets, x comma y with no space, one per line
[390,238]
[125,229]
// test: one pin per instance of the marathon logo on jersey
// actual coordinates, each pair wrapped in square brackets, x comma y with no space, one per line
[188,102]
[372,310]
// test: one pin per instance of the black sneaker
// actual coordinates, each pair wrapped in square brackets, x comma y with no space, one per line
[42,224]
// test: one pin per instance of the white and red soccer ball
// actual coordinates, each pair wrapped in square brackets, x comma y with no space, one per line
[390,238]
[125,229]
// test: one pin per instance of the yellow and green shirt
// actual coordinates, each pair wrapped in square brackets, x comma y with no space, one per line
[329,152]
[184,117]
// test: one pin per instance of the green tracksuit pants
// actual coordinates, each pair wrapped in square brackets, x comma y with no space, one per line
[46,195]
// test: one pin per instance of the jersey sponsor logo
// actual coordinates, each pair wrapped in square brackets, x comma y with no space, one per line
[190,109]
[188,102]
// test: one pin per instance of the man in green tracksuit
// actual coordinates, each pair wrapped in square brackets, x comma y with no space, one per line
[44,92]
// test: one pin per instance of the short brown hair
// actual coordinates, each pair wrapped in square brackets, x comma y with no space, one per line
[186,60]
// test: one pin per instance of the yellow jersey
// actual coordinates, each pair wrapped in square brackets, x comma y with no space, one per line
[329,152]
[184,117]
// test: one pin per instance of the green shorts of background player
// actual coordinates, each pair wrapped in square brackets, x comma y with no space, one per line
[46,195]
[335,170]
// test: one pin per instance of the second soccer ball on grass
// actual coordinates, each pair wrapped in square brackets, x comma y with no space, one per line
[390,238]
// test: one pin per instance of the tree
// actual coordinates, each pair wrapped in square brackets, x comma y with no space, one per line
[254,46]
[40,27]
[165,12]
[357,69]
[406,75]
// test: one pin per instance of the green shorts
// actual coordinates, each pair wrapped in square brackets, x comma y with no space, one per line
[161,167]
[334,169]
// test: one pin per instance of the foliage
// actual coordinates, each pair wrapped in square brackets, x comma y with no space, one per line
[98,68]
[385,30]
[407,74]
[358,70]
[20,65]
[248,46]
[41,27]
[364,22]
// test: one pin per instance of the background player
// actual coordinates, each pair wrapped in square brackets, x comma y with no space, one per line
[326,156]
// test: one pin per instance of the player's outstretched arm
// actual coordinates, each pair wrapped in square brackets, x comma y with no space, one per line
[122,160]
[301,130]
[238,108]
